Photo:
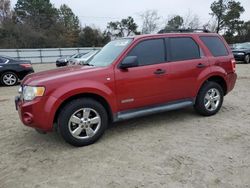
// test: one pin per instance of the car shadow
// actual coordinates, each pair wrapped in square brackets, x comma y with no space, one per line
[53,140]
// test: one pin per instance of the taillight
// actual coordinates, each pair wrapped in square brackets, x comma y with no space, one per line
[233,64]
[26,65]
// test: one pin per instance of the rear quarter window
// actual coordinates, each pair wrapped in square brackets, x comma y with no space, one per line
[2,60]
[215,45]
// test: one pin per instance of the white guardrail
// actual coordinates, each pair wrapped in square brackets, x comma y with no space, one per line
[43,55]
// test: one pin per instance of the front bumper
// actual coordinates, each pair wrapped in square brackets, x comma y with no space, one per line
[239,57]
[38,113]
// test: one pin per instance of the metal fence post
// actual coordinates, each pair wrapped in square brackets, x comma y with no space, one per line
[18,54]
[41,57]
[60,52]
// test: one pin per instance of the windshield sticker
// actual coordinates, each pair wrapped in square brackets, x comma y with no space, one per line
[121,43]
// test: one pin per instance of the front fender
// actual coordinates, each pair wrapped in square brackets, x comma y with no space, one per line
[64,92]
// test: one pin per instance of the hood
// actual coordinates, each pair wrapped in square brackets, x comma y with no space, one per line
[58,75]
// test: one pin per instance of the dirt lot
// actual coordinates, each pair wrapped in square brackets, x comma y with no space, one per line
[173,149]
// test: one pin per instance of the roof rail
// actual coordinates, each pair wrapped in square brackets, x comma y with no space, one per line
[186,31]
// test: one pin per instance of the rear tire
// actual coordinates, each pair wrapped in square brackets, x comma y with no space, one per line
[82,121]
[247,59]
[9,79]
[209,99]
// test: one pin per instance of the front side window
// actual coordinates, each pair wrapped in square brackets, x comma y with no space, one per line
[215,46]
[183,48]
[149,52]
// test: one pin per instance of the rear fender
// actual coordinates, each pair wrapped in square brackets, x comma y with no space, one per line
[214,71]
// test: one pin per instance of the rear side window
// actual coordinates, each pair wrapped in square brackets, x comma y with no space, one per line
[183,48]
[215,45]
[149,52]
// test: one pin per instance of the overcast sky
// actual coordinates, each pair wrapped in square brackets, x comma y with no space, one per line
[99,12]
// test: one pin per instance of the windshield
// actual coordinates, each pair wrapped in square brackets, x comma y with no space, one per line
[109,53]
[79,55]
[242,46]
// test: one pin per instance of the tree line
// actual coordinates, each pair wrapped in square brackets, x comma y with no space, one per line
[38,24]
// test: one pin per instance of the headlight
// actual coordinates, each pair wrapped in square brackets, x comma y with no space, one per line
[30,92]
[240,53]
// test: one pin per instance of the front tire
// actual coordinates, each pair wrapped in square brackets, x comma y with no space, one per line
[209,99]
[82,121]
[9,79]
[247,59]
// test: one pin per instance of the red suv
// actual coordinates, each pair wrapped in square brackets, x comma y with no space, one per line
[128,78]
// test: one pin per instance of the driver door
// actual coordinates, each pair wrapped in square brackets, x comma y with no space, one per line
[143,85]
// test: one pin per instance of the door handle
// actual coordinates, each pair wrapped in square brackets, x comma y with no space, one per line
[160,71]
[200,65]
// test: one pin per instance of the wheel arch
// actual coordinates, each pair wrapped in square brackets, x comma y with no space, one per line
[96,97]
[217,79]
[9,70]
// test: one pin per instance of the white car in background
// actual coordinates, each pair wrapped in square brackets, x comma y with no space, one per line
[83,59]
[63,61]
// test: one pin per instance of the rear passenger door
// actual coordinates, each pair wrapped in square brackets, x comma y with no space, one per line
[187,61]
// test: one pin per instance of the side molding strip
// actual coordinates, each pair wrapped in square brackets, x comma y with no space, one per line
[120,116]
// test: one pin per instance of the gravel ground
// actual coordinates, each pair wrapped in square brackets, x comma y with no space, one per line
[173,149]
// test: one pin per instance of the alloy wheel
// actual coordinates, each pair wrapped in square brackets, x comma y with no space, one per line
[212,99]
[9,79]
[84,123]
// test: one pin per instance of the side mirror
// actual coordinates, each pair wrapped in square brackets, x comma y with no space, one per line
[129,61]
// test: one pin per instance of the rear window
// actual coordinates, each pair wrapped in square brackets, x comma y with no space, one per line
[2,60]
[183,48]
[215,45]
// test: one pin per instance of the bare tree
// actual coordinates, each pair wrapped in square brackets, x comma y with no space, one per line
[211,25]
[150,21]
[191,21]
[5,11]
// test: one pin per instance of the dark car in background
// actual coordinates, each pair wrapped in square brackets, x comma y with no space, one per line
[12,70]
[241,52]
[63,61]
